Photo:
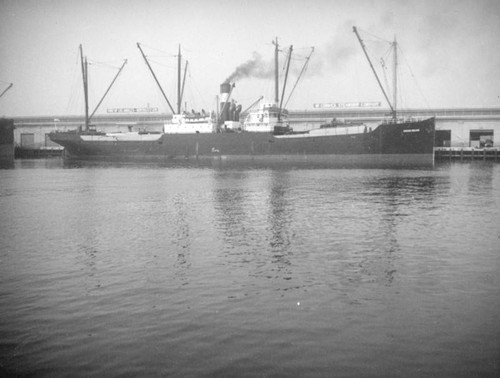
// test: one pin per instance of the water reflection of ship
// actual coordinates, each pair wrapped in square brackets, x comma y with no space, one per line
[181,237]
[230,201]
[88,248]
[397,193]
[279,220]
[256,229]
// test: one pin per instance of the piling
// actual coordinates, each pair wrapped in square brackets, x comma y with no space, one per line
[6,141]
[467,153]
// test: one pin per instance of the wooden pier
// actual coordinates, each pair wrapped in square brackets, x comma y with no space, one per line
[38,153]
[466,154]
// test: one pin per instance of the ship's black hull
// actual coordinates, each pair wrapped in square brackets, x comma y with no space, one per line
[406,144]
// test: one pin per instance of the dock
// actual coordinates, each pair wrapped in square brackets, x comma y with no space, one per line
[38,153]
[466,154]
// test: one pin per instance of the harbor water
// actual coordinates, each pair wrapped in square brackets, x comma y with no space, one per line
[124,270]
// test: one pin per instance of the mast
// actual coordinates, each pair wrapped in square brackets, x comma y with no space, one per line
[154,76]
[393,112]
[184,81]
[284,83]
[179,100]
[6,89]
[276,68]
[395,76]
[85,87]
[304,67]
[110,85]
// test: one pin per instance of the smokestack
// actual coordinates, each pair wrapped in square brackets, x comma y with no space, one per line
[225,92]
[225,88]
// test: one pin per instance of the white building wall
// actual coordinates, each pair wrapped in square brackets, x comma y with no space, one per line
[460,130]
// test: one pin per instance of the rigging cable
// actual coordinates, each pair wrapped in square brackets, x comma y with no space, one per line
[75,96]
[197,90]
[165,54]
[374,36]
[303,71]
[414,78]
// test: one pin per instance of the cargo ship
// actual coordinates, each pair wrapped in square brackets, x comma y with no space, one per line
[263,138]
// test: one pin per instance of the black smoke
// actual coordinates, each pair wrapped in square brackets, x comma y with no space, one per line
[255,68]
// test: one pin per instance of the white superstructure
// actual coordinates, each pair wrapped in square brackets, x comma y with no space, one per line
[265,118]
[190,123]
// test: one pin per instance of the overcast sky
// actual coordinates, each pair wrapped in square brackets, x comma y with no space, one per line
[449,57]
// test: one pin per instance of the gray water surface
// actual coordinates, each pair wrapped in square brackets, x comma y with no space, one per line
[157,271]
